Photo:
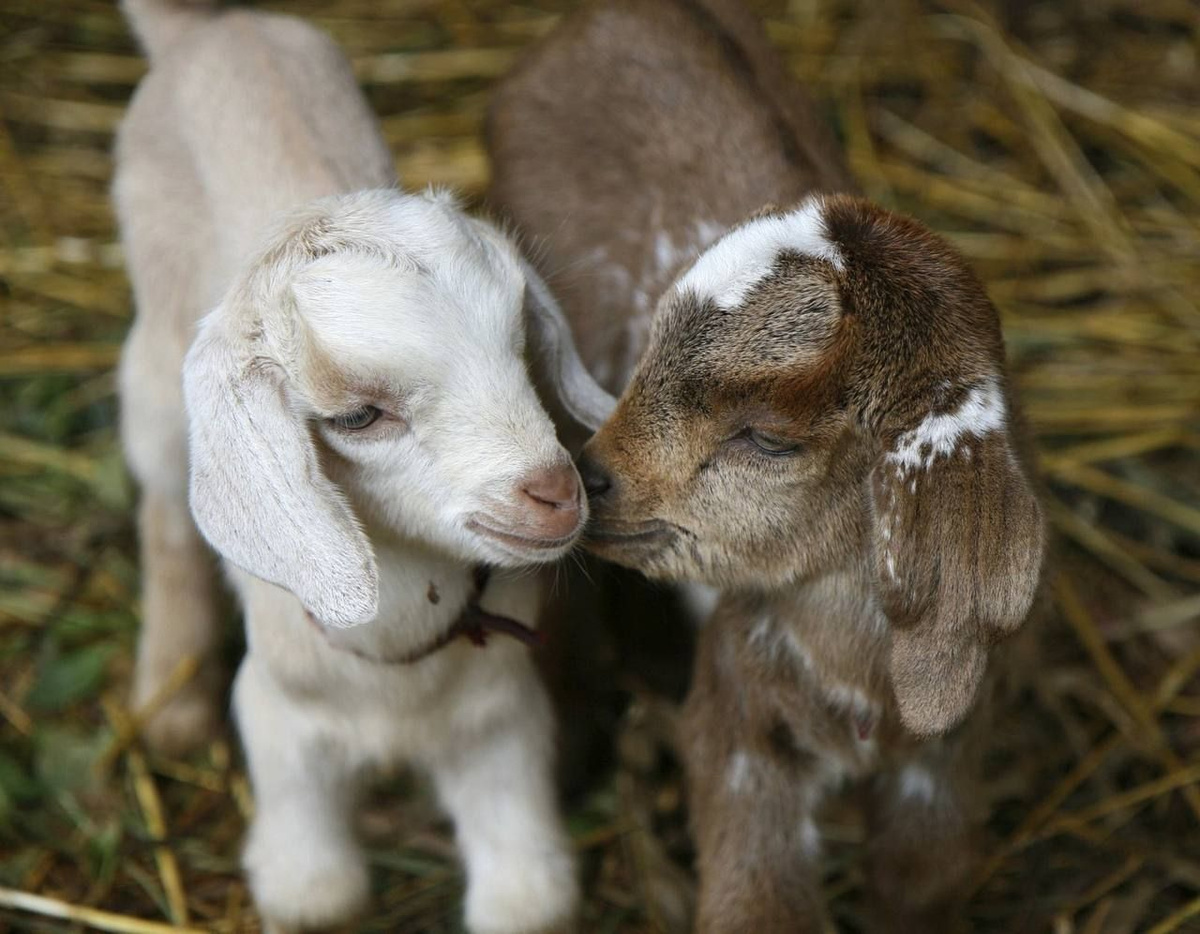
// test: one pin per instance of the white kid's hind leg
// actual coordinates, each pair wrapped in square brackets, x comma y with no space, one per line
[306,867]
[180,622]
[180,607]
[497,783]
[166,233]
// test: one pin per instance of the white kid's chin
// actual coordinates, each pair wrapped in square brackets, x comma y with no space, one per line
[511,552]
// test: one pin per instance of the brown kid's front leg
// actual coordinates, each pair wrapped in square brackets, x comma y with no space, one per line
[751,809]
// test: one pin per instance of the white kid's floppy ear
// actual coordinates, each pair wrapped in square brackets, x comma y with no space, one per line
[584,399]
[258,493]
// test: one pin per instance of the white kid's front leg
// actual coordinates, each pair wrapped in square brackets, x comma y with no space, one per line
[306,868]
[496,780]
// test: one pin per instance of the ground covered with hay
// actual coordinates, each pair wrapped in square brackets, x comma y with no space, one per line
[1056,143]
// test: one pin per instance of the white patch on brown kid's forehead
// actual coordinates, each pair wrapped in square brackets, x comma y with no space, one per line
[938,435]
[730,269]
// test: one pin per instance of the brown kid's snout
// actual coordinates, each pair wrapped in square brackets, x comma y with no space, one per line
[596,480]
[550,498]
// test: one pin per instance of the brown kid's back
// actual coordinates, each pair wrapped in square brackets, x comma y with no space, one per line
[635,137]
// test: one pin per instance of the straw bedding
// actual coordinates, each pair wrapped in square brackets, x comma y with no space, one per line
[1056,143]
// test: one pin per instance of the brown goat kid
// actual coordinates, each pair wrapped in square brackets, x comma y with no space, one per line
[815,418]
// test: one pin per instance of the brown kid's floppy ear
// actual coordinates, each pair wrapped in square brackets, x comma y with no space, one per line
[959,541]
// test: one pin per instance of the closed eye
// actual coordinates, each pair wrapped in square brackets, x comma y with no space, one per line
[357,419]
[770,444]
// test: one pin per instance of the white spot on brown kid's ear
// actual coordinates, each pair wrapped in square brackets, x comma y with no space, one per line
[981,413]
[730,269]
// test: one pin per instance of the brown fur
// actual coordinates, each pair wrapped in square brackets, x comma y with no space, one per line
[595,96]
[861,599]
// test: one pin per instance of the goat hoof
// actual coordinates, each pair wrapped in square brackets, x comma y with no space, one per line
[524,898]
[302,894]
[187,722]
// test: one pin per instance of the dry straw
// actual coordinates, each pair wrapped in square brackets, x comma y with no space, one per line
[1055,142]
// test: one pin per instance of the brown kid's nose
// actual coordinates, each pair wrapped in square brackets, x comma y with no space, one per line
[595,481]
[552,501]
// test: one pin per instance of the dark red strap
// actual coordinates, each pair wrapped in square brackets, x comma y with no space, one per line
[474,624]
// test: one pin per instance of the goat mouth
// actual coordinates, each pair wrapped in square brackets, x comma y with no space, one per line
[515,540]
[620,534]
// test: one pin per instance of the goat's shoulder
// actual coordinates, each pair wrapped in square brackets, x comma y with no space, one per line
[815,651]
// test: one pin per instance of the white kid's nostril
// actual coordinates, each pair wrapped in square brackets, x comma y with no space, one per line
[556,487]
[551,500]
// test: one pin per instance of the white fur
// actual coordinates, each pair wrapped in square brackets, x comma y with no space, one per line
[851,699]
[810,838]
[439,333]
[664,250]
[730,269]
[433,336]
[700,600]
[640,290]
[668,256]
[777,642]
[582,396]
[251,178]
[918,784]
[980,414]
[316,719]
[739,774]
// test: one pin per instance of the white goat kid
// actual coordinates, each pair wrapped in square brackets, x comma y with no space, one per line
[362,432]
[363,436]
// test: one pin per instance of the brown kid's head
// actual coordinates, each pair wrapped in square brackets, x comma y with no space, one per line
[825,385]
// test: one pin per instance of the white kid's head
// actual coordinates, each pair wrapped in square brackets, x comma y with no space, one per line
[369,370]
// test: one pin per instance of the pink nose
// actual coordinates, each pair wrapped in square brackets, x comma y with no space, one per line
[551,498]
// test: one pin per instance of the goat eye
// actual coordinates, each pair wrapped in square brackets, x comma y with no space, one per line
[358,419]
[769,444]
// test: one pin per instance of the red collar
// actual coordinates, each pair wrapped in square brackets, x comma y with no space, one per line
[474,623]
